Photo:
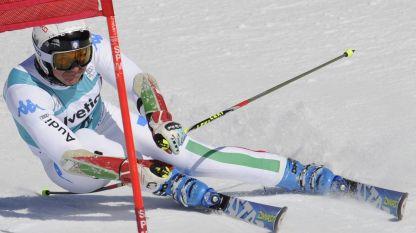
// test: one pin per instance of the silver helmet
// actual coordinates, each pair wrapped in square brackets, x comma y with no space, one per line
[58,38]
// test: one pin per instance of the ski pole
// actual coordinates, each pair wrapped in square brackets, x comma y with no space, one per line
[47,192]
[347,53]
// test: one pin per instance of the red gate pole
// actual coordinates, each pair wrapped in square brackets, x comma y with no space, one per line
[108,10]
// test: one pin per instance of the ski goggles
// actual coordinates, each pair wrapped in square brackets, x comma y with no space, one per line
[66,60]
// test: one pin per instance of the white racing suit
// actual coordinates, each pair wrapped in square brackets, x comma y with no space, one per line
[53,119]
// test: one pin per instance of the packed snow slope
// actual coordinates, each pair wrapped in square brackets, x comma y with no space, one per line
[357,116]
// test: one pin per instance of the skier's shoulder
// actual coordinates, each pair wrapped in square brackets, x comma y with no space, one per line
[103,62]
[25,74]
[19,75]
[100,44]
[23,81]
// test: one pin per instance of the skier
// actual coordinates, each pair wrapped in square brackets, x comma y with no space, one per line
[54,97]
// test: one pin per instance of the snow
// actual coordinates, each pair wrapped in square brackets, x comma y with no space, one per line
[356,116]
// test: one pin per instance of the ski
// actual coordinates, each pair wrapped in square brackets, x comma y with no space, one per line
[86,163]
[269,217]
[391,201]
[265,216]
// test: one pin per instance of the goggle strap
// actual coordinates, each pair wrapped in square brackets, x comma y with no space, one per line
[43,56]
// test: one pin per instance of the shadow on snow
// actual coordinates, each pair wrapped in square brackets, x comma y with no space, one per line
[81,207]
[95,207]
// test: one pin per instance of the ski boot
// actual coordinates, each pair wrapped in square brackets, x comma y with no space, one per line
[311,178]
[317,179]
[187,191]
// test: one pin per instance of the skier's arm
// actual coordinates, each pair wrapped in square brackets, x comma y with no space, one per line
[168,134]
[103,62]
[32,110]
[142,89]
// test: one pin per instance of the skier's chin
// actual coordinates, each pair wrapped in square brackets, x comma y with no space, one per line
[69,78]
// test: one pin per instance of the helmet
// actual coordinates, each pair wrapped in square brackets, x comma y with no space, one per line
[62,37]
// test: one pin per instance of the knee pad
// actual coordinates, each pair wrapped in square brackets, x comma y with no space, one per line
[70,182]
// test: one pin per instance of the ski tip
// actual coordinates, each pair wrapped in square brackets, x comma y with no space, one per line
[279,218]
[349,52]
[45,192]
[401,206]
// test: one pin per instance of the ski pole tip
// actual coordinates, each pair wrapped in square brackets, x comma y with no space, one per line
[45,192]
[349,52]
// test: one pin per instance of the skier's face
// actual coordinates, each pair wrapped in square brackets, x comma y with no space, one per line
[70,77]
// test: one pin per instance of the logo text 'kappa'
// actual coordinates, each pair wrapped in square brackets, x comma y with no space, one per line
[27,108]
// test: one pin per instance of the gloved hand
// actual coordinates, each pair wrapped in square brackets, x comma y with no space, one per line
[154,175]
[167,134]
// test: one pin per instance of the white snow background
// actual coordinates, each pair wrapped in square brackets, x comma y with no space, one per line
[357,116]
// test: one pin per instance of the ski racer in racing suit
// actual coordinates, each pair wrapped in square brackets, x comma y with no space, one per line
[54,97]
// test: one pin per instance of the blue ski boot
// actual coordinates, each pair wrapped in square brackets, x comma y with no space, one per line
[189,191]
[310,178]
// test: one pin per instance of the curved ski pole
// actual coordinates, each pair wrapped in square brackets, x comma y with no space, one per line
[347,53]
[47,192]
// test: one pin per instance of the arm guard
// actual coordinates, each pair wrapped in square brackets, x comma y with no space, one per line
[150,100]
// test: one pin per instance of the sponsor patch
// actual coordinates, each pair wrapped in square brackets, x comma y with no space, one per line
[141,121]
[88,107]
[57,125]
[56,42]
[390,202]
[44,29]
[59,172]
[96,39]
[27,108]
[265,217]
[91,73]
[75,44]
[243,210]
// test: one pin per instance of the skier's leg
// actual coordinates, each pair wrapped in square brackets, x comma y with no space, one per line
[195,158]
[310,178]
[159,179]
[253,167]
[235,163]
[76,183]
[67,181]
[111,127]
